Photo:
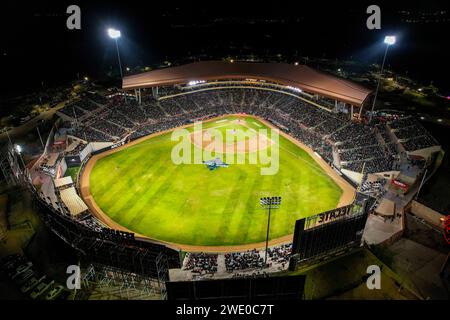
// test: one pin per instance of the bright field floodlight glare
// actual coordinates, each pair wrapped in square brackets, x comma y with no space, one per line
[113,33]
[389,40]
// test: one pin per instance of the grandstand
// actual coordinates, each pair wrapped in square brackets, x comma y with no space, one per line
[322,130]
[290,97]
[73,202]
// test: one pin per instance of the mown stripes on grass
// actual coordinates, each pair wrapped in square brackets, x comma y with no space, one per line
[143,190]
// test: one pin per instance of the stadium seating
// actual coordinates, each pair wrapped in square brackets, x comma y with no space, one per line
[324,131]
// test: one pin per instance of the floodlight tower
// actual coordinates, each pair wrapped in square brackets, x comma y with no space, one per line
[115,34]
[389,41]
[18,149]
[269,203]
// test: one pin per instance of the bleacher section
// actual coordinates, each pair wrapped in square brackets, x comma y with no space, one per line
[72,201]
[411,134]
[324,131]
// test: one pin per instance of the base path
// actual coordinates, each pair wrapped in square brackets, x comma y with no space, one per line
[347,197]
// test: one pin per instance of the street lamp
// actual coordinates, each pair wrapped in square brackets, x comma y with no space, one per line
[269,203]
[389,41]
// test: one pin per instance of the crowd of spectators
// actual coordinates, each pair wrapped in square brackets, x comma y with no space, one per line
[418,143]
[412,135]
[375,187]
[280,254]
[243,260]
[92,223]
[201,263]
[373,165]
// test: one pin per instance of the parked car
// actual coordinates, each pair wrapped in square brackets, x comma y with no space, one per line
[31,283]
[24,276]
[40,289]
[54,292]
[21,268]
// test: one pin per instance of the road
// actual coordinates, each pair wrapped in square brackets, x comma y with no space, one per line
[30,125]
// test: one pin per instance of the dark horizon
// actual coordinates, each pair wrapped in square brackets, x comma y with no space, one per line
[41,48]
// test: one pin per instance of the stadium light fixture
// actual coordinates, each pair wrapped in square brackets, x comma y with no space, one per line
[388,40]
[18,148]
[269,203]
[113,33]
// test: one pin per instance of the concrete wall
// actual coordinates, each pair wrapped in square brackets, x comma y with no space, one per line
[429,215]
[356,177]
[425,153]
[100,145]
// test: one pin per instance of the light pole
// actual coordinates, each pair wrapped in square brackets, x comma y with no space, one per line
[18,149]
[388,40]
[115,34]
[269,203]
[40,137]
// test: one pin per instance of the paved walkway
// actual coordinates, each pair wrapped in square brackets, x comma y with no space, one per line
[421,265]
[378,231]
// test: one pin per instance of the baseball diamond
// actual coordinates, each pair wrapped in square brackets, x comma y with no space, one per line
[138,188]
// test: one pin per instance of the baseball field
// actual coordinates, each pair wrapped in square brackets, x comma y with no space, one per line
[140,188]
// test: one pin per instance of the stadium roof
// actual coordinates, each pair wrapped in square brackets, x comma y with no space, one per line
[300,76]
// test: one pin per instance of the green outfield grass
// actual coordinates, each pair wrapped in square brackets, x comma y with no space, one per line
[143,190]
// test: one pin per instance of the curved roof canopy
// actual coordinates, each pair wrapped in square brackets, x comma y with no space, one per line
[300,76]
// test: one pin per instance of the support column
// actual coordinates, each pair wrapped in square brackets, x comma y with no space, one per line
[351,112]
[360,111]
[155,92]
[140,97]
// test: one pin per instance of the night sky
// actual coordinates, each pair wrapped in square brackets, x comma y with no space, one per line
[36,46]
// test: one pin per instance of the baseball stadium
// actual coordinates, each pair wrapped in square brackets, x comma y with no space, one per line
[222,169]
[137,187]
[218,158]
